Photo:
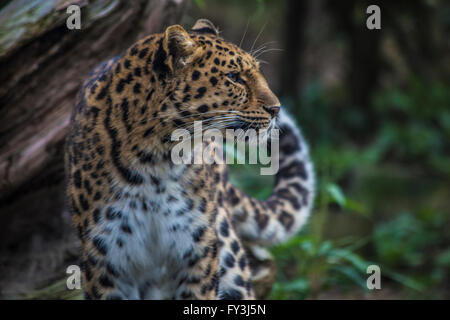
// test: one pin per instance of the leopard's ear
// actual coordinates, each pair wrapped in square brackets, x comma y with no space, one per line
[205,26]
[179,47]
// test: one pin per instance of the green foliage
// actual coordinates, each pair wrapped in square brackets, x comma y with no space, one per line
[200,3]
[383,177]
[416,124]
[385,187]
[318,265]
[338,196]
[402,241]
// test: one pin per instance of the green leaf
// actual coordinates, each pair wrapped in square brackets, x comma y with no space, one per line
[336,194]
[298,285]
[355,260]
[357,207]
[404,280]
[200,3]
[444,259]
[351,274]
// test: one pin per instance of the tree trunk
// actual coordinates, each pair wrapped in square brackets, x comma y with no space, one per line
[364,64]
[42,65]
[293,45]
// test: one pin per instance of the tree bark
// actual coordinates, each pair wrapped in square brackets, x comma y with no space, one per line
[293,45]
[365,63]
[43,64]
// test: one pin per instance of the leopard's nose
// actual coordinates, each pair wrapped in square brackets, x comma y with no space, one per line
[274,110]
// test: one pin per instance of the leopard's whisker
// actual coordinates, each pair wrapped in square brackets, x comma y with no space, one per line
[257,37]
[245,32]
[267,50]
[190,125]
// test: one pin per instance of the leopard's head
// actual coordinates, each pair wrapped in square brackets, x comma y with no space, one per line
[212,80]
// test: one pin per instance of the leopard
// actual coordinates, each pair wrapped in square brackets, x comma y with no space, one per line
[152,229]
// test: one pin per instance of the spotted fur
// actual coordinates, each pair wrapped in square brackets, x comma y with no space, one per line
[151,229]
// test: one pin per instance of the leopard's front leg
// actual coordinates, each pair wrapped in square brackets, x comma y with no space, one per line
[234,271]
[201,278]
[102,279]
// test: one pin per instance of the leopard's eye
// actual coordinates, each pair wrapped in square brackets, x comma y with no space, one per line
[235,76]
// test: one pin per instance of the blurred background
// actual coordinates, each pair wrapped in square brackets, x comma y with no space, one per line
[374,106]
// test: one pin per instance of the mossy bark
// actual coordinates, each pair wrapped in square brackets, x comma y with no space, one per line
[42,65]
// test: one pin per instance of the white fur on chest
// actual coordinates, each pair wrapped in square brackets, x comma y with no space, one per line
[158,234]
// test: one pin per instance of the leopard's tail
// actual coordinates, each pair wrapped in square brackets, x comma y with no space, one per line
[282,215]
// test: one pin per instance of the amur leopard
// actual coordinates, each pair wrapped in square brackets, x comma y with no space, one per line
[152,229]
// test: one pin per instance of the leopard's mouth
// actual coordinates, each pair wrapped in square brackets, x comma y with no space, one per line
[237,121]
[245,123]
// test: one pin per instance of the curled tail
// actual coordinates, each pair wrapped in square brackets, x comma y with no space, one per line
[268,222]
[283,214]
